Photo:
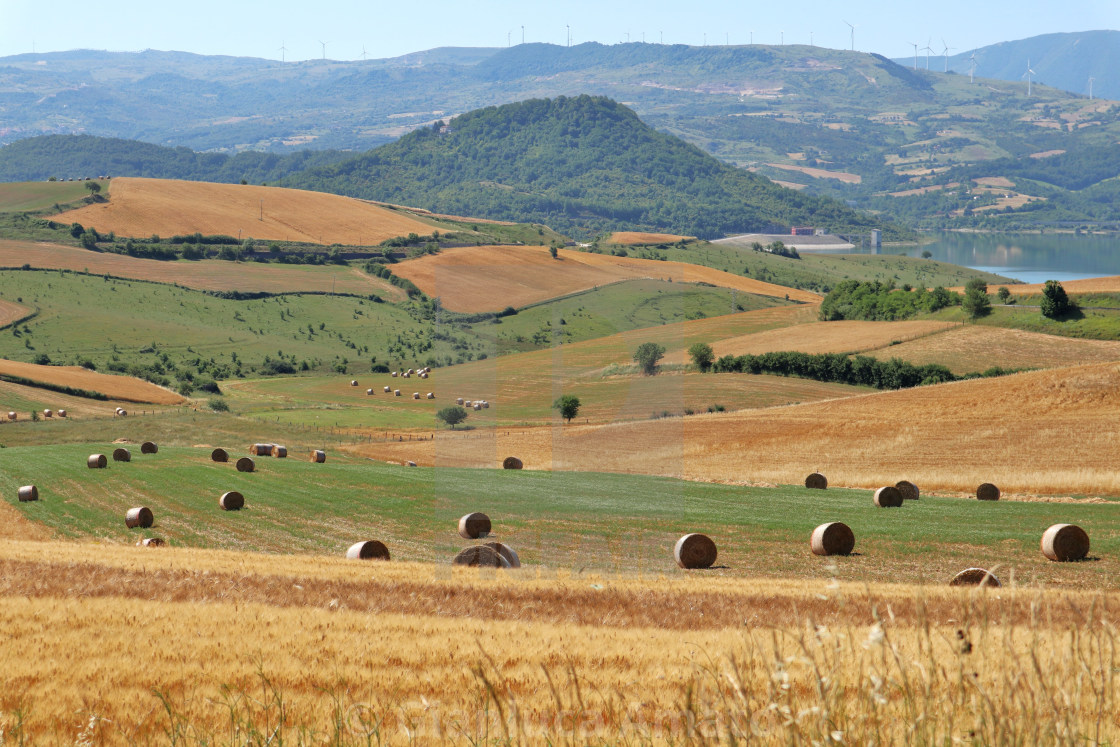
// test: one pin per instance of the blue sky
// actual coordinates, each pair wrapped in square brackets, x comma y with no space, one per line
[389,29]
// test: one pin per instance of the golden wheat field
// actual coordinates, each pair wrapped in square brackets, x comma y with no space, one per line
[212,275]
[191,646]
[629,238]
[489,278]
[123,388]
[166,207]
[1110,284]
[1043,432]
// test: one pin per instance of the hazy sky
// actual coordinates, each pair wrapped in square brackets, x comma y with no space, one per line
[388,29]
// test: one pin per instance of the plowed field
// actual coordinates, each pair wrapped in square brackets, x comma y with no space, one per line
[124,388]
[142,207]
[476,279]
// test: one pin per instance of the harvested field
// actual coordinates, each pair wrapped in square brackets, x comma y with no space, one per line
[23,399]
[123,388]
[628,238]
[1110,284]
[489,278]
[19,196]
[1014,431]
[11,311]
[971,347]
[842,176]
[142,207]
[824,337]
[211,275]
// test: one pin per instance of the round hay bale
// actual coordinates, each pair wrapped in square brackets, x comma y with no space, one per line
[141,516]
[473,526]
[368,550]
[695,551]
[1065,542]
[280,452]
[149,447]
[481,556]
[987,492]
[468,403]
[353,382]
[888,497]
[123,413]
[48,413]
[245,464]
[477,405]
[908,489]
[260,450]
[431,395]
[458,401]
[97,461]
[369,392]
[219,455]
[318,456]
[394,374]
[423,375]
[28,493]
[118,411]
[122,455]
[506,552]
[387,390]
[485,405]
[512,462]
[62,413]
[396,392]
[974,577]
[406,374]
[150,542]
[816,481]
[833,538]
[12,416]
[416,395]
[232,501]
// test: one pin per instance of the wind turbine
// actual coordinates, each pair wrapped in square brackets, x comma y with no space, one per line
[324,49]
[283,51]
[522,34]
[509,35]
[853,29]
[1028,75]
[915,54]
[1091,79]
[971,67]
[569,30]
[363,53]
[928,50]
[945,52]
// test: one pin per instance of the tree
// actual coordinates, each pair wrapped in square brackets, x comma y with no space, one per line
[647,355]
[1055,302]
[976,303]
[568,405]
[553,251]
[452,415]
[702,355]
[93,187]
[1004,294]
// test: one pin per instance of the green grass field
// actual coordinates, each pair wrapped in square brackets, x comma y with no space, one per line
[24,196]
[592,521]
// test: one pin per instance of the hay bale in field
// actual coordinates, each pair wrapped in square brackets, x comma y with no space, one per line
[1065,542]
[48,413]
[888,497]
[97,461]
[987,492]
[28,493]
[141,516]
[122,412]
[219,455]
[506,552]
[458,401]
[410,371]
[833,538]
[974,577]
[369,392]
[485,405]
[431,395]
[816,481]
[149,447]
[12,416]
[410,463]
[908,489]
[695,551]
[118,411]
[394,374]
[406,374]
[353,382]
[62,413]
[368,550]
[473,526]
[477,406]
[423,375]
[245,464]
[122,455]
[280,452]
[150,542]
[387,390]
[468,403]
[232,501]
[416,395]
[512,462]
[318,456]
[261,450]
[481,556]
[396,392]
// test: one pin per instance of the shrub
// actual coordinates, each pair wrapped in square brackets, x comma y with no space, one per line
[1055,303]
[976,302]
[217,404]
[702,355]
[647,355]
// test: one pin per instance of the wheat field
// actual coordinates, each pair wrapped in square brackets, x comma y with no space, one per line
[122,388]
[628,238]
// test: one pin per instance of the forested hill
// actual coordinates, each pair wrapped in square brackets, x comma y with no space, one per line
[65,156]
[580,165]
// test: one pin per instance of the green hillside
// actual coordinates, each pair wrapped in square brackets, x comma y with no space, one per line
[584,165]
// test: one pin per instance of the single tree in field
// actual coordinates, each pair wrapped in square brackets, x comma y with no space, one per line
[93,187]
[976,302]
[452,415]
[568,405]
[1055,302]
[1004,294]
[553,251]
[647,355]
[702,355]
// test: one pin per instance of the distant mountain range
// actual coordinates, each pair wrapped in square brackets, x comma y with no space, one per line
[1065,61]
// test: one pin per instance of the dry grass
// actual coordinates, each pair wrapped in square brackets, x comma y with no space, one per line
[1110,284]
[968,348]
[842,176]
[629,238]
[142,207]
[489,278]
[10,311]
[24,399]
[133,646]
[122,388]
[1045,432]
[212,275]
[823,337]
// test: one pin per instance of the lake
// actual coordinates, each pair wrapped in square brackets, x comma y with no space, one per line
[1031,258]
